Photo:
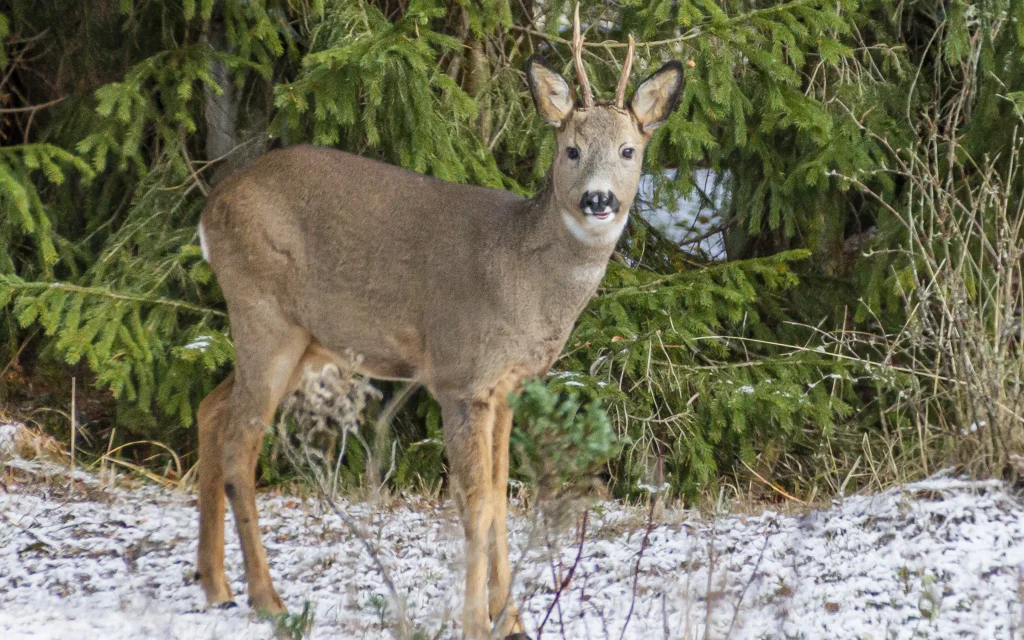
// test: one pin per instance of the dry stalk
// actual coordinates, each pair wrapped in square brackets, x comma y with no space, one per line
[326,410]
[743,593]
[636,570]
[74,427]
[564,584]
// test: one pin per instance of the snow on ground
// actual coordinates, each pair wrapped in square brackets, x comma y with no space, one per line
[943,558]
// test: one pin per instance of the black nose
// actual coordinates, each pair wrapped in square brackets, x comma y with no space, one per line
[595,202]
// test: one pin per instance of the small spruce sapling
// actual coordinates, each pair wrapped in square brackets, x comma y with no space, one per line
[559,444]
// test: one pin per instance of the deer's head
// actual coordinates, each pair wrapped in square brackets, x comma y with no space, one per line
[600,147]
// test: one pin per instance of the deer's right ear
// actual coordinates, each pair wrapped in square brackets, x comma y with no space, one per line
[551,93]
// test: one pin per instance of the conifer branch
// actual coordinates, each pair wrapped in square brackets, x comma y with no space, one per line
[103,292]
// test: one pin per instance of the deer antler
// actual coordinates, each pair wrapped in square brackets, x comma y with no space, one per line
[577,54]
[620,90]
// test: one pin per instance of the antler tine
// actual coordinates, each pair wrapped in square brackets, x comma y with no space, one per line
[620,90]
[577,54]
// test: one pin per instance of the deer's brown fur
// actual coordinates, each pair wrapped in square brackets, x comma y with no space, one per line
[465,289]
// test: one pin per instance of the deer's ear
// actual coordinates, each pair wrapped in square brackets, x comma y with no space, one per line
[551,93]
[657,96]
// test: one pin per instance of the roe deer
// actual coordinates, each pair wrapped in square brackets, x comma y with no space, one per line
[466,290]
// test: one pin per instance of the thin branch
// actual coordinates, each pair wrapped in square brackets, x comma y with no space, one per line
[568,578]
[704,236]
[693,33]
[640,556]
[608,44]
[33,108]
[17,355]
[782,492]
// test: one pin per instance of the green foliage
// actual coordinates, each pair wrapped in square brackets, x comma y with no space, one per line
[559,441]
[701,369]
[24,210]
[293,626]
[706,367]
[373,83]
[421,461]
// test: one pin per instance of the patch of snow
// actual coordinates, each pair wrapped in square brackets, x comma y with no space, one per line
[7,442]
[650,488]
[941,558]
[200,343]
[690,217]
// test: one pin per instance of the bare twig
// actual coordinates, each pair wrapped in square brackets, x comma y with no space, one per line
[404,629]
[343,395]
[17,355]
[609,44]
[74,426]
[381,429]
[636,570]
[568,578]
[743,593]
[782,492]
[32,108]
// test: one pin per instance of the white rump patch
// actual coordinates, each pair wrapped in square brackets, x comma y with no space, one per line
[202,243]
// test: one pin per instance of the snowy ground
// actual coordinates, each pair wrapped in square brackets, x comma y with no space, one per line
[938,559]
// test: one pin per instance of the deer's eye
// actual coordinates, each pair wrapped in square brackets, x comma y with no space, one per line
[627,153]
[572,152]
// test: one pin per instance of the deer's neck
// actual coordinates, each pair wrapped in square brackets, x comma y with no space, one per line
[566,261]
[551,231]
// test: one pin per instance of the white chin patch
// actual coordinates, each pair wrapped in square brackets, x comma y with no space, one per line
[595,228]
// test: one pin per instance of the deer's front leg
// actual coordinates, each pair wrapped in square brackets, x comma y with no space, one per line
[502,609]
[468,427]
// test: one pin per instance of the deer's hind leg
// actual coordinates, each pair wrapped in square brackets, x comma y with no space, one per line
[212,417]
[268,352]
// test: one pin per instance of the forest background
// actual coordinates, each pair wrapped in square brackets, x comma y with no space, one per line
[855,161]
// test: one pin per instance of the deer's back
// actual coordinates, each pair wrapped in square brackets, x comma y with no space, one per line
[367,256]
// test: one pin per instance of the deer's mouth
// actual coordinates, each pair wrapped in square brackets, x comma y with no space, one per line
[600,216]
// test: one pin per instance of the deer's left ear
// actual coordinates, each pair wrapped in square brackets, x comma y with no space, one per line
[657,96]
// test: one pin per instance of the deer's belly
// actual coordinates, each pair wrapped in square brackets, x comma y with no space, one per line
[385,356]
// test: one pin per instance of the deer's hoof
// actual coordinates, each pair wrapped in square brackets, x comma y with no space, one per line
[267,604]
[227,604]
[518,635]
[218,593]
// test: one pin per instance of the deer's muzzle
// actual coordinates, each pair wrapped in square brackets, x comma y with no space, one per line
[599,204]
